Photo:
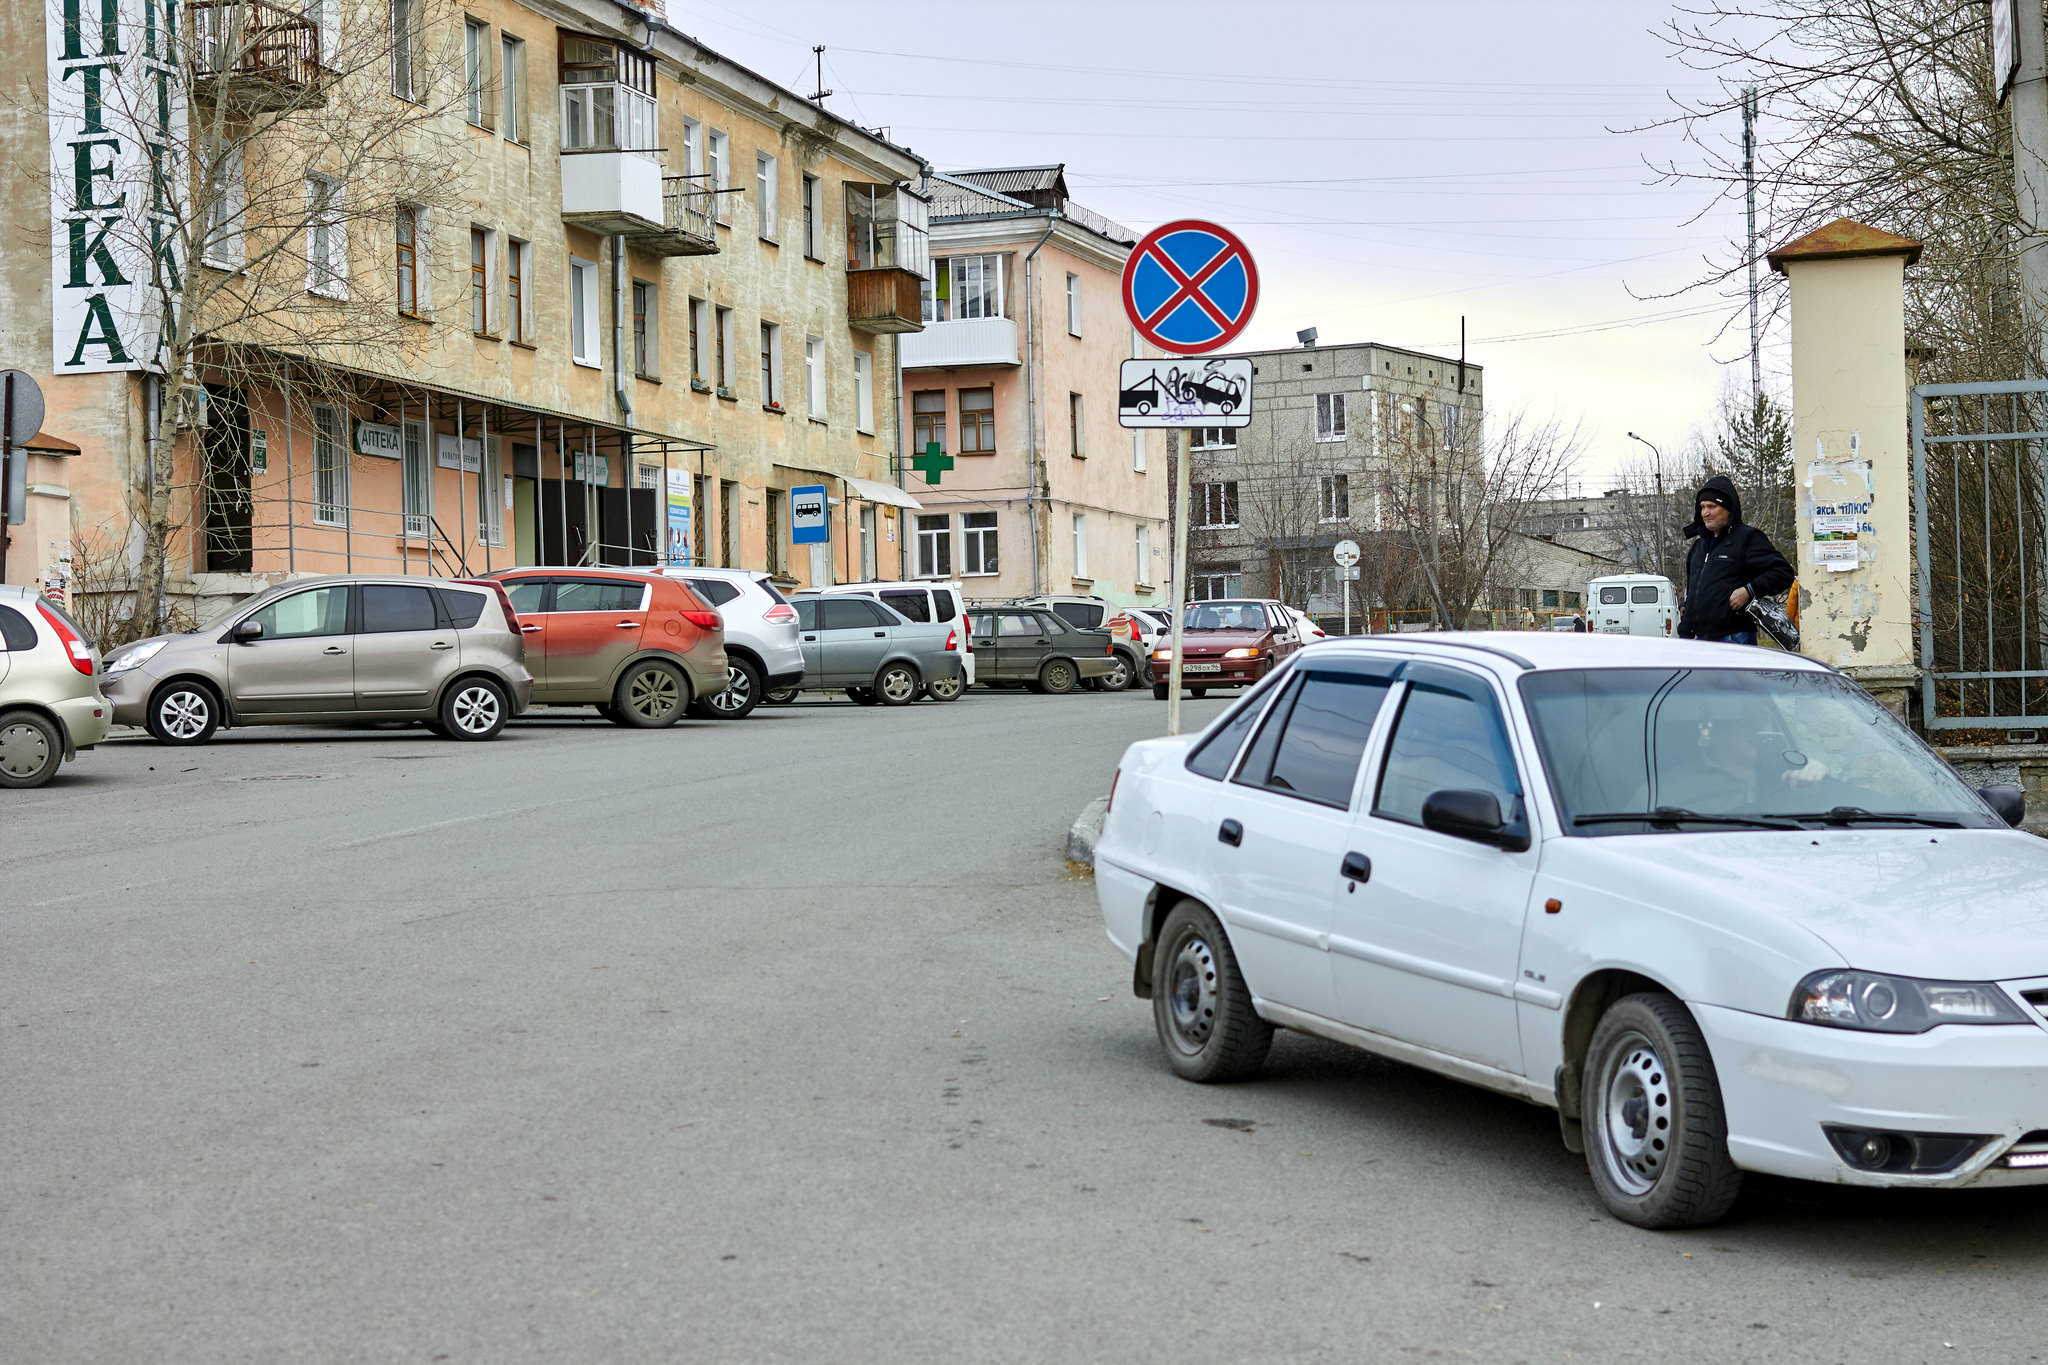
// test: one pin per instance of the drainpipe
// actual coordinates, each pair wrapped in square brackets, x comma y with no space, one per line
[1031,402]
[903,528]
[619,330]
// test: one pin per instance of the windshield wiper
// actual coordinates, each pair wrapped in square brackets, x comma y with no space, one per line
[1672,815]
[1856,815]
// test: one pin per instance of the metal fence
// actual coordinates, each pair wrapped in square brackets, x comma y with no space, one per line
[1977,525]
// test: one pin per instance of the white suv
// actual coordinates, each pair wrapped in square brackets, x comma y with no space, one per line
[924,601]
[763,651]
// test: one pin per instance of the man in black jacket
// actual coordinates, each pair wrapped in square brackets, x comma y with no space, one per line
[1729,564]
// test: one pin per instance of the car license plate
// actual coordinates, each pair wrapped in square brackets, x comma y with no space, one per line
[1201,668]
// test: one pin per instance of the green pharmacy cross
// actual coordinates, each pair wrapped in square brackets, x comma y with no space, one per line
[932,463]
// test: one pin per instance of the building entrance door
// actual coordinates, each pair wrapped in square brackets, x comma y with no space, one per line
[229,518]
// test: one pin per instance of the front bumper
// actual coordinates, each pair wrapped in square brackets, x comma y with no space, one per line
[128,694]
[1780,1081]
[1230,673]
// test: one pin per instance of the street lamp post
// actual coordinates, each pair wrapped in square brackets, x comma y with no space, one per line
[1662,530]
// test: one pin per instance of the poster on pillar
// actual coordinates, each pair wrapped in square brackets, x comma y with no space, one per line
[1838,494]
[678,549]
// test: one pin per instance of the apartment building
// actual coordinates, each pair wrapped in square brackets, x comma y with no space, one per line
[503,284]
[1342,444]
[1013,379]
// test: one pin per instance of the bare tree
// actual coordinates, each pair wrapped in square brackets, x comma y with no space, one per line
[1295,503]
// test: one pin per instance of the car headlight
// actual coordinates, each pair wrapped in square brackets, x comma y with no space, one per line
[133,657]
[1878,1003]
[1251,653]
[1162,654]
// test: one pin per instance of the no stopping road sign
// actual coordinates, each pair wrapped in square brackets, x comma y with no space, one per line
[1190,287]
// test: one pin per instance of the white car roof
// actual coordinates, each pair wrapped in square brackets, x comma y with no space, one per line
[1555,649]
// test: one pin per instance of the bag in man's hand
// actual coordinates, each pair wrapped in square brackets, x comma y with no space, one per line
[1771,619]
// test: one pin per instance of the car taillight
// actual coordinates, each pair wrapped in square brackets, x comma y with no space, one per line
[952,640]
[781,614]
[74,644]
[704,620]
[505,606]
[1110,649]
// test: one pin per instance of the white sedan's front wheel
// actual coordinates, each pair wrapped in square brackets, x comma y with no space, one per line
[1656,1134]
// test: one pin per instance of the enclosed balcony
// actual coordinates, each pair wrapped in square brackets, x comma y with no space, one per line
[970,341]
[255,56]
[686,220]
[611,168]
[888,255]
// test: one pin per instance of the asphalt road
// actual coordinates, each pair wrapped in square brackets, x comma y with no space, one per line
[788,1039]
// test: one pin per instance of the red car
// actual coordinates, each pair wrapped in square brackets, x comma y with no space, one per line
[1226,644]
[639,647]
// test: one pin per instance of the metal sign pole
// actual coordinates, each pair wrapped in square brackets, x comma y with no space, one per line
[1347,606]
[6,474]
[1178,596]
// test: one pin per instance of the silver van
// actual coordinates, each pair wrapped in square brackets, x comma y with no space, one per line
[924,601]
[877,655]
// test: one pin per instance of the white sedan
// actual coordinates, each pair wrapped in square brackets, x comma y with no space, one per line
[1716,907]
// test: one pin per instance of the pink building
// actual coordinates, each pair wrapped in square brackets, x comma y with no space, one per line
[1015,377]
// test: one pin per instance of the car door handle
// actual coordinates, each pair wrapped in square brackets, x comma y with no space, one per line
[528,630]
[881,635]
[334,649]
[627,625]
[441,644]
[1230,832]
[1357,867]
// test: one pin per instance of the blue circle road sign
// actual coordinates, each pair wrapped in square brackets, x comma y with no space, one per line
[1190,287]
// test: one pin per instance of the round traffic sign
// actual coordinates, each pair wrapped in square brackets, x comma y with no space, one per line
[1346,553]
[1190,287]
[26,407]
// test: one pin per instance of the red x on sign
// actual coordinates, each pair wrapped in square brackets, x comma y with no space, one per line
[1190,287]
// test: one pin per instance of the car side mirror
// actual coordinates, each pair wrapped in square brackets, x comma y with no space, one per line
[245,631]
[1473,815]
[2008,801]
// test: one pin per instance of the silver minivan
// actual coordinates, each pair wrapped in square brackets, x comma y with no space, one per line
[924,601]
[354,647]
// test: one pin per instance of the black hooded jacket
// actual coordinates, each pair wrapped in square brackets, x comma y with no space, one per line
[1715,566]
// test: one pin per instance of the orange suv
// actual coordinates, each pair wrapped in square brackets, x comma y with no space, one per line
[637,646]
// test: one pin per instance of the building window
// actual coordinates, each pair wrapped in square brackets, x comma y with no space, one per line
[1215,438]
[718,171]
[1073,304]
[583,312]
[480,281]
[326,238]
[698,312]
[1080,544]
[490,493]
[413,476]
[978,421]
[405,44]
[1210,587]
[512,89]
[928,420]
[1138,451]
[771,364]
[725,351]
[978,543]
[646,330]
[776,521]
[864,392]
[1143,573]
[965,287]
[1076,428]
[1329,417]
[221,242]
[406,235]
[1453,417]
[814,377]
[330,469]
[476,72]
[607,95]
[1216,504]
[518,319]
[935,546]
[1334,498]
[812,244]
[764,194]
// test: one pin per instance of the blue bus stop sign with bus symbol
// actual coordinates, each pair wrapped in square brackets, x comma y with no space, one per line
[1190,287]
[808,522]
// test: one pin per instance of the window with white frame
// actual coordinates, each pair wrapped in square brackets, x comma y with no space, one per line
[814,241]
[1329,417]
[406,43]
[476,72]
[1334,497]
[978,544]
[1077,427]
[728,357]
[414,471]
[1214,586]
[771,364]
[693,149]
[480,253]
[518,286]
[1073,304]
[646,330]
[490,493]
[221,226]
[583,346]
[864,392]
[330,468]
[935,546]
[1080,544]
[1143,573]
[326,237]
[764,195]
[1453,417]
[700,328]
[1138,450]
[512,88]
[1215,438]
[1216,503]
[608,98]
[718,171]
[965,287]
[814,377]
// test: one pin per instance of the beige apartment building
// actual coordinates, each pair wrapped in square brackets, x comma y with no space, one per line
[1014,379]
[504,284]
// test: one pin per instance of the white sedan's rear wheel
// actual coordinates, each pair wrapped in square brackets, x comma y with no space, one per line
[1200,1004]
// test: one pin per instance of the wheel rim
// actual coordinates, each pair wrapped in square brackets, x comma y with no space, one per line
[1191,993]
[1635,1115]
[1058,678]
[898,685]
[24,749]
[475,711]
[183,715]
[654,694]
[1118,677]
[945,687]
[739,690]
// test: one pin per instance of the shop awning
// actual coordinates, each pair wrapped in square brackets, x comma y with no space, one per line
[870,491]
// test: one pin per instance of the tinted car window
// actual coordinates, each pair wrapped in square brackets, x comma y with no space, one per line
[389,607]
[807,612]
[1083,614]
[1614,597]
[1051,624]
[1319,752]
[1018,623]
[716,591]
[917,605]
[15,630]
[946,611]
[765,586]
[848,613]
[321,611]
[1444,740]
[1212,757]
[464,608]
[598,595]
[1647,596]
[527,594]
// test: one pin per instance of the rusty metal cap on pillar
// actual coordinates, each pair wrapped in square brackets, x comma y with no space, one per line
[1842,239]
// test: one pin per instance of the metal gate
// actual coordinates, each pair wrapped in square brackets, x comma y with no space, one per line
[1978,548]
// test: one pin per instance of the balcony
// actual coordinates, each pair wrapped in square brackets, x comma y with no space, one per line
[255,56]
[885,299]
[613,191]
[686,221]
[971,341]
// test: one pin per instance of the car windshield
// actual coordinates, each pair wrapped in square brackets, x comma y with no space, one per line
[1226,616]
[1631,750]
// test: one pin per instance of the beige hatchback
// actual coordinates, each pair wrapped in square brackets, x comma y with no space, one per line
[326,650]
[50,702]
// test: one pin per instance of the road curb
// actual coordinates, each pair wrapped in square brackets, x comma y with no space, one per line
[1087,831]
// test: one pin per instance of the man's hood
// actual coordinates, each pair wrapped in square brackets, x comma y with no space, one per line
[1724,486]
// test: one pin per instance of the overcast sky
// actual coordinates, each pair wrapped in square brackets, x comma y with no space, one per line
[1392,164]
